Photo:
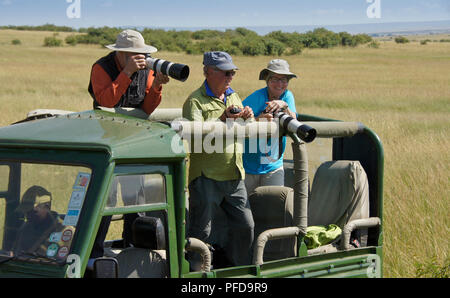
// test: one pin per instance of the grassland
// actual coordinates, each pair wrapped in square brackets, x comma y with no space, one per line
[402,92]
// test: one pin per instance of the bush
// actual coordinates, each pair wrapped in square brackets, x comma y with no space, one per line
[16,42]
[374,44]
[273,47]
[52,42]
[401,39]
[71,39]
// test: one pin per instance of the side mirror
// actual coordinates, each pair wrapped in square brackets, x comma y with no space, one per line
[106,268]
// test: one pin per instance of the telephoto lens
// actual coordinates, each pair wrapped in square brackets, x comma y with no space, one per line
[177,71]
[303,131]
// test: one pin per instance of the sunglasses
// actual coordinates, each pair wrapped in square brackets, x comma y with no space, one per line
[228,73]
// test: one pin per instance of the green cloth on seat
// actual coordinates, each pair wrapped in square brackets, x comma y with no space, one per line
[320,235]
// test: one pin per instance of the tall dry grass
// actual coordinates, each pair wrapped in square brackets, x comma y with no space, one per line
[402,92]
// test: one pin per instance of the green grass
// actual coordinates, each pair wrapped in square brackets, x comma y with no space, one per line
[400,91]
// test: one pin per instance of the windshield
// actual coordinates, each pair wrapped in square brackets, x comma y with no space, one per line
[39,209]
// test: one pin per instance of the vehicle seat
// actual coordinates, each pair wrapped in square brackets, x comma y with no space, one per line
[273,207]
[147,257]
[339,194]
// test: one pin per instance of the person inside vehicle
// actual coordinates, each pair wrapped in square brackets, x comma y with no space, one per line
[40,222]
[216,180]
[261,168]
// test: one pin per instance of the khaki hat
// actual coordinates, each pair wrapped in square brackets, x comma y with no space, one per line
[278,66]
[131,41]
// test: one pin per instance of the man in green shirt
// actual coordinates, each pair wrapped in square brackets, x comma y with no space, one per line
[216,180]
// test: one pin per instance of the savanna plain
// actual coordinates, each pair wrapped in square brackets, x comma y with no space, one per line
[400,91]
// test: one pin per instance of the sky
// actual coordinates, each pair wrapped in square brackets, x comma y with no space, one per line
[217,13]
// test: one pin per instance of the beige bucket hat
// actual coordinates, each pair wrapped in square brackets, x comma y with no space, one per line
[278,66]
[131,41]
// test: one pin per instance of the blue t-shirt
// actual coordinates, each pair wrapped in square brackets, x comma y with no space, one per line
[267,157]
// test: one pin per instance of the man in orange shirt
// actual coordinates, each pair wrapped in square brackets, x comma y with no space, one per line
[121,79]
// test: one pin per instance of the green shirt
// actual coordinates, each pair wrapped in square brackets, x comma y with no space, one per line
[218,166]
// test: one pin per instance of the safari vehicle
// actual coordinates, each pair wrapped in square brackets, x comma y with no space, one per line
[107,163]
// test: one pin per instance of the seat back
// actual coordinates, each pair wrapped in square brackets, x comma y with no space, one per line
[272,207]
[147,257]
[339,194]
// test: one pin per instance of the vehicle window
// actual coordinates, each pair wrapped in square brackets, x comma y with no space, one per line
[135,190]
[2,220]
[4,177]
[40,220]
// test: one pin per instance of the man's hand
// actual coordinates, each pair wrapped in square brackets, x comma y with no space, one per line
[245,113]
[159,80]
[134,63]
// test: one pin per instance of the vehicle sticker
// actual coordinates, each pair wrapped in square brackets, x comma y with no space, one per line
[82,180]
[52,249]
[76,199]
[63,251]
[55,237]
[67,235]
[71,217]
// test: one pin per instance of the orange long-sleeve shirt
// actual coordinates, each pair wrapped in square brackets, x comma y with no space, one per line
[108,92]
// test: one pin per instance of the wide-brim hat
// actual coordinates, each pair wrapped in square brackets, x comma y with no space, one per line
[278,66]
[131,41]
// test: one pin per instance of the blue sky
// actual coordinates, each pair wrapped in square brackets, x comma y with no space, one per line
[217,13]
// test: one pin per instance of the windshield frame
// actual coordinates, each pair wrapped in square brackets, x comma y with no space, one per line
[97,161]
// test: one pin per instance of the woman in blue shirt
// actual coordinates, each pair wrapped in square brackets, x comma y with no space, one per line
[265,167]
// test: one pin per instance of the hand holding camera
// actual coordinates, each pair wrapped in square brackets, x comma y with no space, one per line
[134,63]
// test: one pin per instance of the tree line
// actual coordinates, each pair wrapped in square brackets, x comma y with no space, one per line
[238,41]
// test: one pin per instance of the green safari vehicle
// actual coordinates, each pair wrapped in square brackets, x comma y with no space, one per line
[63,174]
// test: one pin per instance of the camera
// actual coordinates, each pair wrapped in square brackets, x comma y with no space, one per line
[177,71]
[235,110]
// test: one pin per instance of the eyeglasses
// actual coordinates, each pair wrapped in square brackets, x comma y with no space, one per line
[278,80]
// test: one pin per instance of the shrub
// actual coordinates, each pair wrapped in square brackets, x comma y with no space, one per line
[374,44]
[401,39]
[16,42]
[273,47]
[52,41]
[253,47]
[72,40]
